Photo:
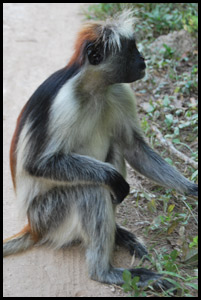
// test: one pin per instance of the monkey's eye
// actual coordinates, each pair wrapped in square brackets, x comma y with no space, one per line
[94,54]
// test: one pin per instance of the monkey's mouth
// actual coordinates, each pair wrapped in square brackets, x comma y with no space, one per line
[139,76]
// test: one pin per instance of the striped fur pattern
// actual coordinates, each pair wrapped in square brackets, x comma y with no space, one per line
[69,148]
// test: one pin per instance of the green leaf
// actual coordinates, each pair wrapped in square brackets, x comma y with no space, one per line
[174,254]
[135,280]
[171,207]
[191,257]
[169,120]
[126,287]
[169,161]
[166,101]
[176,141]
[176,131]
[193,285]
[194,175]
[127,276]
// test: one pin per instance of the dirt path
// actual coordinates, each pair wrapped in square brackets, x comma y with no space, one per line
[38,41]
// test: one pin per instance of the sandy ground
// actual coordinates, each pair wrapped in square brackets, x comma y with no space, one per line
[38,40]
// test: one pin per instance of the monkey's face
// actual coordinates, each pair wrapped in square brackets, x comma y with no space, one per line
[121,66]
[130,62]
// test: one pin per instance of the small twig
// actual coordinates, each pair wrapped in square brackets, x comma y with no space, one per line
[189,209]
[172,149]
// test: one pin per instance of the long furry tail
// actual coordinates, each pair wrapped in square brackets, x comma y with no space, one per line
[19,242]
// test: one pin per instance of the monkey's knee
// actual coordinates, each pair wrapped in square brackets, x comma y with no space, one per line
[95,206]
[48,211]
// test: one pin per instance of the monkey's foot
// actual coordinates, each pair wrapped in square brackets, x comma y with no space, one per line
[146,276]
[130,241]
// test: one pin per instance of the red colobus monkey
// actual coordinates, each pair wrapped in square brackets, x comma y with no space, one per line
[69,149]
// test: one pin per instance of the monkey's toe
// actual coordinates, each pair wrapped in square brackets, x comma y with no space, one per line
[139,250]
[164,285]
[147,277]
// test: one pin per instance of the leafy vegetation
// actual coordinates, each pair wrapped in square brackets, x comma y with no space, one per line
[167,99]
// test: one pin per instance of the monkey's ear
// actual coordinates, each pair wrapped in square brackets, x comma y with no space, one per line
[94,54]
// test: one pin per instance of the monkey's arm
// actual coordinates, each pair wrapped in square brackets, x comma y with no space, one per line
[80,169]
[150,164]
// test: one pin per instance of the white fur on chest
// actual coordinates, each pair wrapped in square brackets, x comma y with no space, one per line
[83,129]
[96,145]
[85,124]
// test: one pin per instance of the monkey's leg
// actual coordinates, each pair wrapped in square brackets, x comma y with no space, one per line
[84,212]
[98,221]
[129,241]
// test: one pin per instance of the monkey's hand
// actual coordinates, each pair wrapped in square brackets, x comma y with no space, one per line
[119,186]
[193,190]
